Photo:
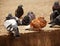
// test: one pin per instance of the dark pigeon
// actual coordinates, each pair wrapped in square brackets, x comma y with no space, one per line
[19,12]
[56,11]
[28,18]
[56,21]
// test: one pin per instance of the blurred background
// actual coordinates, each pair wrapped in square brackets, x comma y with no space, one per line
[39,7]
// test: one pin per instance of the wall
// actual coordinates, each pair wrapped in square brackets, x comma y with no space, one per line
[32,39]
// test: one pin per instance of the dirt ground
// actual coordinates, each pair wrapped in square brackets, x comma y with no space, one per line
[39,7]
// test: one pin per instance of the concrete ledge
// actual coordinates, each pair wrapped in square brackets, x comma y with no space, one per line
[32,39]
[45,37]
